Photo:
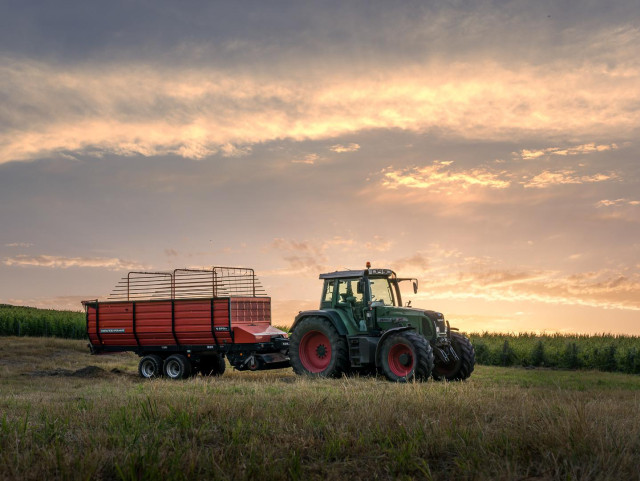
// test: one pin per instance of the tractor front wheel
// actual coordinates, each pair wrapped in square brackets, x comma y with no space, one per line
[462,368]
[406,355]
[317,349]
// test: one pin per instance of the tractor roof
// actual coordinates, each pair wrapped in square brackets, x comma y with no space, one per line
[357,273]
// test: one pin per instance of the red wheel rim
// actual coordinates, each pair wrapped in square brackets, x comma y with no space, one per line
[400,360]
[315,351]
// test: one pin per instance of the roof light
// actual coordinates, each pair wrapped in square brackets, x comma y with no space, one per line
[368,264]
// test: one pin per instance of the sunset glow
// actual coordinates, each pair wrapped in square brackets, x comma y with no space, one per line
[491,151]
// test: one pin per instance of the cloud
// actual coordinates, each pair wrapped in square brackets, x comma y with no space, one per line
[19,244]
[561,177]
[617,202]
[575,150]
[439,178]
[230,150]
[378,244]
[59,262]
[417,262]
[295,246]
[301,257]
[309,159]
[602,289]
[150,110]
[340,148]
[313,257]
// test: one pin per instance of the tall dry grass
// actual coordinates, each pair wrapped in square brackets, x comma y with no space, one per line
[274,425]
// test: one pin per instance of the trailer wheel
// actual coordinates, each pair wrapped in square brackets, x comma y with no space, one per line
[177,367]
[317,349]
[462,368]
[213,365]
[405,356]
[253,364]
[150,366]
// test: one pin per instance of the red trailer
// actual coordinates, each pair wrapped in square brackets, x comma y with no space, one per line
[187,321]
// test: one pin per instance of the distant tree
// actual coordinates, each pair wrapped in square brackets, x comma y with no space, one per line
[538,356]
[605,358]
[630,363]
[507,355]
[570,357]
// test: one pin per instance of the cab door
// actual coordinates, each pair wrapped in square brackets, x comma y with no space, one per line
[350,300]
[382,302]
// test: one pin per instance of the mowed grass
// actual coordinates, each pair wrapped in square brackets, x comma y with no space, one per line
[59,420]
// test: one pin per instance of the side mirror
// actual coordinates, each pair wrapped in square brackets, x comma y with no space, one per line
[415,286]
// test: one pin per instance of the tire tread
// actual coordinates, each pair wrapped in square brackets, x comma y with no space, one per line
[338,346]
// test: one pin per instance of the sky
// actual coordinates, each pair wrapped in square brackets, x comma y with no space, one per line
[488,148]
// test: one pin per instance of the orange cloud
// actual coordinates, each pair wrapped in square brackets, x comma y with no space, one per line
[339,148]
[60,262]
[439,178]
[602,289]
[120,109]
[578,149]
[617,202]
[549,178]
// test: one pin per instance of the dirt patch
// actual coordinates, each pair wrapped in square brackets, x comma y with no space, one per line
[85,372]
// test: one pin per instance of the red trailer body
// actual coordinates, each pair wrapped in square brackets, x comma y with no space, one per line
[154,315]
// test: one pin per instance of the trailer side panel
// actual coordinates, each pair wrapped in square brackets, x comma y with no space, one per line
[174,322]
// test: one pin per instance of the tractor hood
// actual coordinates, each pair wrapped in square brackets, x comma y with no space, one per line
[413,312]
[430,323]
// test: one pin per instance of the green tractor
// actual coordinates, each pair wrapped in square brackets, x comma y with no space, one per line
[361,326]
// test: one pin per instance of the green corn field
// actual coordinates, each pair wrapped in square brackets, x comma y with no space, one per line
[604,352]
[30,321]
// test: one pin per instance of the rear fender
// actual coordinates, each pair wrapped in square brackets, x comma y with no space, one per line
[384,336]
[332,316]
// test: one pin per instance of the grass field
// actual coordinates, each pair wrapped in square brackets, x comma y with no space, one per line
[61,419]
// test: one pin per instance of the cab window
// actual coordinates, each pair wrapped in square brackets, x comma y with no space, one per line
[348,291]
[381,291]
[328,291]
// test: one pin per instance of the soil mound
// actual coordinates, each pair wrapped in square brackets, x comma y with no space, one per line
[89,371]
[85,372]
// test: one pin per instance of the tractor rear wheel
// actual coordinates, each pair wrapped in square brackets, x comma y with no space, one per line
[150,366]
[177,367]
[317,349]
[213,365]
[406,355]
[462,368]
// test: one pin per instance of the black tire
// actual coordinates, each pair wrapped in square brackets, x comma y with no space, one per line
[177,367]
[150,367]
[316,349]
[213,365]
[462,368]
[406,356]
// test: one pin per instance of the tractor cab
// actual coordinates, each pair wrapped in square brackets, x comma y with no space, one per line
[364,297]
